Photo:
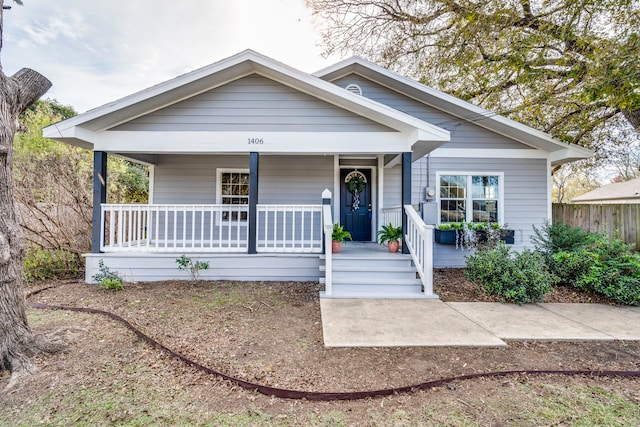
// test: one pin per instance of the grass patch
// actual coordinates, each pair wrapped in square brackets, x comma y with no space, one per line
[583,406]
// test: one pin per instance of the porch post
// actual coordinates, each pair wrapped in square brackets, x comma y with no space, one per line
[99,197]
[406,195]
[254,160]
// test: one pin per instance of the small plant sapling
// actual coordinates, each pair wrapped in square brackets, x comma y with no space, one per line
[192,267]
[107,279]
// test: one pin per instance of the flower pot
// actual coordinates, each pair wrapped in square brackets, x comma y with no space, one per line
[393,246]
[336,246]
[445,237]
[508,236]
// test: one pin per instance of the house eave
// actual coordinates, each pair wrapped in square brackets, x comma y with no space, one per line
[456,107]
[99,120]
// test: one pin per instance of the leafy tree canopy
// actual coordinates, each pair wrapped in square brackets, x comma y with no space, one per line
[567,67]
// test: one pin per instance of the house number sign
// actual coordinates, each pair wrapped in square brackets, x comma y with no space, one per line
[255,141]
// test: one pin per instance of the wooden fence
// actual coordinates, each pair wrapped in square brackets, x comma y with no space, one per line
[605,218]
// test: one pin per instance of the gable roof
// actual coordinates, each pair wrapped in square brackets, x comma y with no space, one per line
[628,191]
[80,130]
[560,152]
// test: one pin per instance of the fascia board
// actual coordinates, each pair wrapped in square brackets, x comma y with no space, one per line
[235,142]
[570,154]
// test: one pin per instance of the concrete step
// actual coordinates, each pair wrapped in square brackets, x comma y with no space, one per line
[372,272]
[370,263]
[340,294]
[375,286]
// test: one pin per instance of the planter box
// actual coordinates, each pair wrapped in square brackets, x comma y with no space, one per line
[508,236]
[445,237]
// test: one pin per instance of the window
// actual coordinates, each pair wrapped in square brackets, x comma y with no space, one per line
[233,189]
[470,197]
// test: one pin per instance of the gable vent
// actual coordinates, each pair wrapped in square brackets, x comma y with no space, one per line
[353,88]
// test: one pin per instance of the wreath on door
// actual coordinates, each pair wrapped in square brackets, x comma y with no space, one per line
[356,183]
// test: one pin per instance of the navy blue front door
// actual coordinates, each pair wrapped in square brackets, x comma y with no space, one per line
[355,209]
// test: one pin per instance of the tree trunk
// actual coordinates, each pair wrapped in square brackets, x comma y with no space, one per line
[18,344]
[633,116]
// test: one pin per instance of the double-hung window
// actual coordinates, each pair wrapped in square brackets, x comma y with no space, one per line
[233,189]
[470,197]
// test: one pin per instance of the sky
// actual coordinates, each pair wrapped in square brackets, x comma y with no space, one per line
[96,51]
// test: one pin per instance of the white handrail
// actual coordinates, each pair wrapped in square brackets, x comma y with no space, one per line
[419,239]
[327,224]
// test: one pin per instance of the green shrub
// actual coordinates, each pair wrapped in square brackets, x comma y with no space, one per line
[45,264]
[516,277]
[607,267]
[107,279]
[553,238]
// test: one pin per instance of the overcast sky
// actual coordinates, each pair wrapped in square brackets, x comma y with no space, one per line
[97,51]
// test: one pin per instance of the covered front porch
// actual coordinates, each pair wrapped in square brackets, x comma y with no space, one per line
[245,236]
[142,242]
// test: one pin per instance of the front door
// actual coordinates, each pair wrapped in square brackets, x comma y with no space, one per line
[355,203]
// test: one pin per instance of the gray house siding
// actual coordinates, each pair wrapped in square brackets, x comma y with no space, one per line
[525,198]
[253,103]
[294,179]
[464,134]
[188,179]
[191,179]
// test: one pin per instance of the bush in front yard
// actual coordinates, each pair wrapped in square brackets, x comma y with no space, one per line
[605,267]
[591,261]
[516,277]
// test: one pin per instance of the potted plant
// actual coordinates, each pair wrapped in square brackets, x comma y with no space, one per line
[338,235]
[391,235]
[493,231]
[447,234]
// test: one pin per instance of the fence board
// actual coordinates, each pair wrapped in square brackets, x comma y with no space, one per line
[623,219]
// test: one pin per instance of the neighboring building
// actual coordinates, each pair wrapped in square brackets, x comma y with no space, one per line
[616,193]
[241,151]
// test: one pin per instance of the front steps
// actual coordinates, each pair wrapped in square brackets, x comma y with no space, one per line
[370,271]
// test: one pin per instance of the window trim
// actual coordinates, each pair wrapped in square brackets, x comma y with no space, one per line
[469,198]
[219,172]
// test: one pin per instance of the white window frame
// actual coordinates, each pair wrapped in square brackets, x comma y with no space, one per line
[219,172]
[469,198]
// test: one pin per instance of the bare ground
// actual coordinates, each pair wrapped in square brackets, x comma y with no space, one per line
[271,333]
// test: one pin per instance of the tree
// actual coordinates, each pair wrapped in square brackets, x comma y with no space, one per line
[52,185]
[18,344]
[566,67]
[573,180]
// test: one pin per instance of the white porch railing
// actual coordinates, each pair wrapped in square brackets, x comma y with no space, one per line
[392,215]
[210,228]
[170,228]
[289,228]
[419,239]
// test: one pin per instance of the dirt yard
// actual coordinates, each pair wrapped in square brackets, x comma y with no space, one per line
[271,333]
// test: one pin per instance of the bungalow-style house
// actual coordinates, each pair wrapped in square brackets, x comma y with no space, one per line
[253,161]
[615,193]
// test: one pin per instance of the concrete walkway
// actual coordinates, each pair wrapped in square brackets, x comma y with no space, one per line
[433,323]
